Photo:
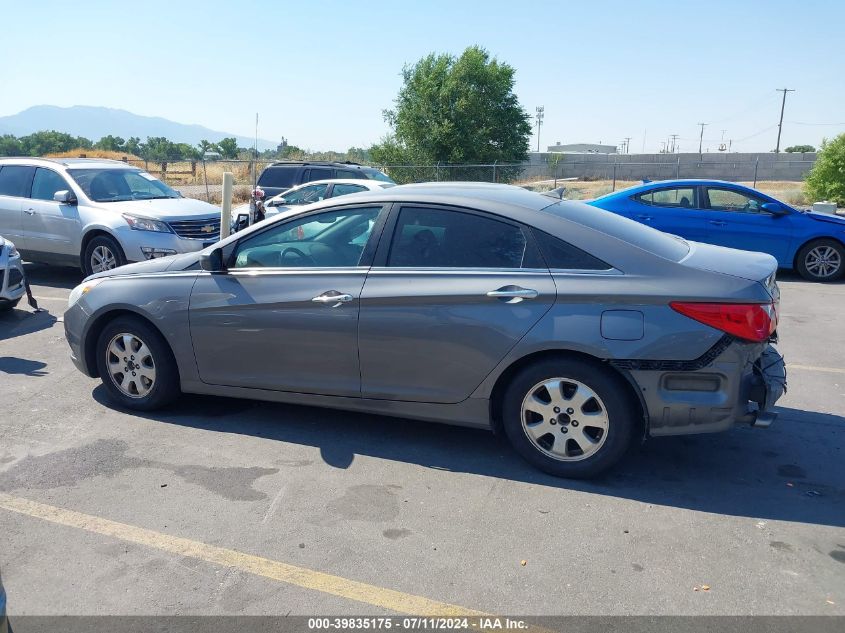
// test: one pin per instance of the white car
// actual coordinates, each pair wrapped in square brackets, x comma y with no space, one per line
[97,214]
[11,275]
[312,192]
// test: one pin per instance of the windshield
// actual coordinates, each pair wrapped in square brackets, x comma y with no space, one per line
[116,185]
[375,174]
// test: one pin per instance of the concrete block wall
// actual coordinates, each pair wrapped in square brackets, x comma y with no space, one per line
[717,166]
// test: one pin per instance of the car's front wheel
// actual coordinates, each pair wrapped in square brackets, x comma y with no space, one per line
[102,253]
[822,260]
[136,365]
[568,417]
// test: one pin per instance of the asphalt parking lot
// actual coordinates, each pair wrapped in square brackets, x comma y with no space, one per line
[222,506]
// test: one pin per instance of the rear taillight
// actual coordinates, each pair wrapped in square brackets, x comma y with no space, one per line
[750,321]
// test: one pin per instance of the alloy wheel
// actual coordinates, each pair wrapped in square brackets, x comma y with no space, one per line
[565,419]
[823,261]
[131,365]
[102,258]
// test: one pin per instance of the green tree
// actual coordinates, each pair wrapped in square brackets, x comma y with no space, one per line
[133,146]
[159,149]
[111,144]
[228,147]
[799,149]
[51,142]
[458,110]
[10,146]
[208,146]
[826,180]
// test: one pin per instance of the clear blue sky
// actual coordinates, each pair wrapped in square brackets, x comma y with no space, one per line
[320,73]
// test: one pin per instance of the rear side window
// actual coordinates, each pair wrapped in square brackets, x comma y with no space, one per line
[436,238]
[563,255]
[645,237]
[46,183]
[15,180]
[683,197]
[317,173]
[343,189]
[278,176]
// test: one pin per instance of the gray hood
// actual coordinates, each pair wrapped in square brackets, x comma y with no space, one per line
[158,265]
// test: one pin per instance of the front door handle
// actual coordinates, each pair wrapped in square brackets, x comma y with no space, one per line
[645,217]
[334,297]
[513,294]
[717,222]
[29,211]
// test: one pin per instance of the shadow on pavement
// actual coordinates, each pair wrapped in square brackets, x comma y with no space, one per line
[23,366]
[794,471]
[52,276]
[20,321]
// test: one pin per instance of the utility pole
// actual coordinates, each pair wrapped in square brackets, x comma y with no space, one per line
[627,144]
[701,138]
[674,138]
[540,113]
[782,106]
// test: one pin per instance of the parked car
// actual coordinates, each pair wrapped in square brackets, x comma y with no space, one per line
[312,192]
[572,330]
[282,175]
[11,275]
[97,214]
[4,622]
[728,214]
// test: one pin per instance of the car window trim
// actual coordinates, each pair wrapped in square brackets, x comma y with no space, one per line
[382,255]
[366,254]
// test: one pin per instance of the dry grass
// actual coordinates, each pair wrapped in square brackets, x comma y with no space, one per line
[80,152]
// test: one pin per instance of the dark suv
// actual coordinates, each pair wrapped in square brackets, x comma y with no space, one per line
[283,175]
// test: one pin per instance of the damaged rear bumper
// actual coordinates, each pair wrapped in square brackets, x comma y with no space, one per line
[735,382]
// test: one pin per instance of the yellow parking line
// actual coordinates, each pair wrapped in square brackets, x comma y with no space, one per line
[275,570]
[830,370]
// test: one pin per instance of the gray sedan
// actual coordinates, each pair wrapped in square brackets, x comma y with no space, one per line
[572,330]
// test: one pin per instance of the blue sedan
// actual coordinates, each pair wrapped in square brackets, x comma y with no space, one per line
[728,214]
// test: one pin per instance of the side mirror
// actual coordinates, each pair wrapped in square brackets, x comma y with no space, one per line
[65,197]
[213,261]
[775,208]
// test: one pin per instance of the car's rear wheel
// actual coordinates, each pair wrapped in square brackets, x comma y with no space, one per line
[821,260]
[136,365]
[568,417]
[102,253]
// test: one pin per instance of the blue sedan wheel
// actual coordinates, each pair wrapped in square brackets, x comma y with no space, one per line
[821,260]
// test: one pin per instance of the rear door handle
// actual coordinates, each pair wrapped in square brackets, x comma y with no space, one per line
[334,297]
[717,222]
[29,211]
[513,294]
[645,217]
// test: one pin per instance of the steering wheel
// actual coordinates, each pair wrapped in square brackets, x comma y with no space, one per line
[304,257]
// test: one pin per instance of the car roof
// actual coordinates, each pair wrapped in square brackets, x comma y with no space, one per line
[366,182]
[676,182]
[101,163]
[319,163]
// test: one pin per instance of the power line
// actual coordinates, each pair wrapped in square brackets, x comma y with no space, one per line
[782,107]
[803,123]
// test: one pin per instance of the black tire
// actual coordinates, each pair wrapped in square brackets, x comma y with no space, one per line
[8,306]
[803,255]
[621,411]
[165,387]
[101,242]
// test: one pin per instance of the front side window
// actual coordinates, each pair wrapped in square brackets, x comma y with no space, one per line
[46,183]
[329,239]
[118,185]
[14,180]
[317,173]
[342,190]
[375,174]
[683,197]
[729,200]
[345,173]
[437,238]
[306,195]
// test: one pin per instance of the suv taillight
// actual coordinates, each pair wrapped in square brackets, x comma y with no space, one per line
[750,321]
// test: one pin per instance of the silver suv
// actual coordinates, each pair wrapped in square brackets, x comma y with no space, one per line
[97,214]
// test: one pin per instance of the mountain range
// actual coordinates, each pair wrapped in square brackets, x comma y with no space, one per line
[94,122]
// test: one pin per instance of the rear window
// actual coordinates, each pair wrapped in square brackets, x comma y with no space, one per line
[647,238]
[278,176]
[15,179]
